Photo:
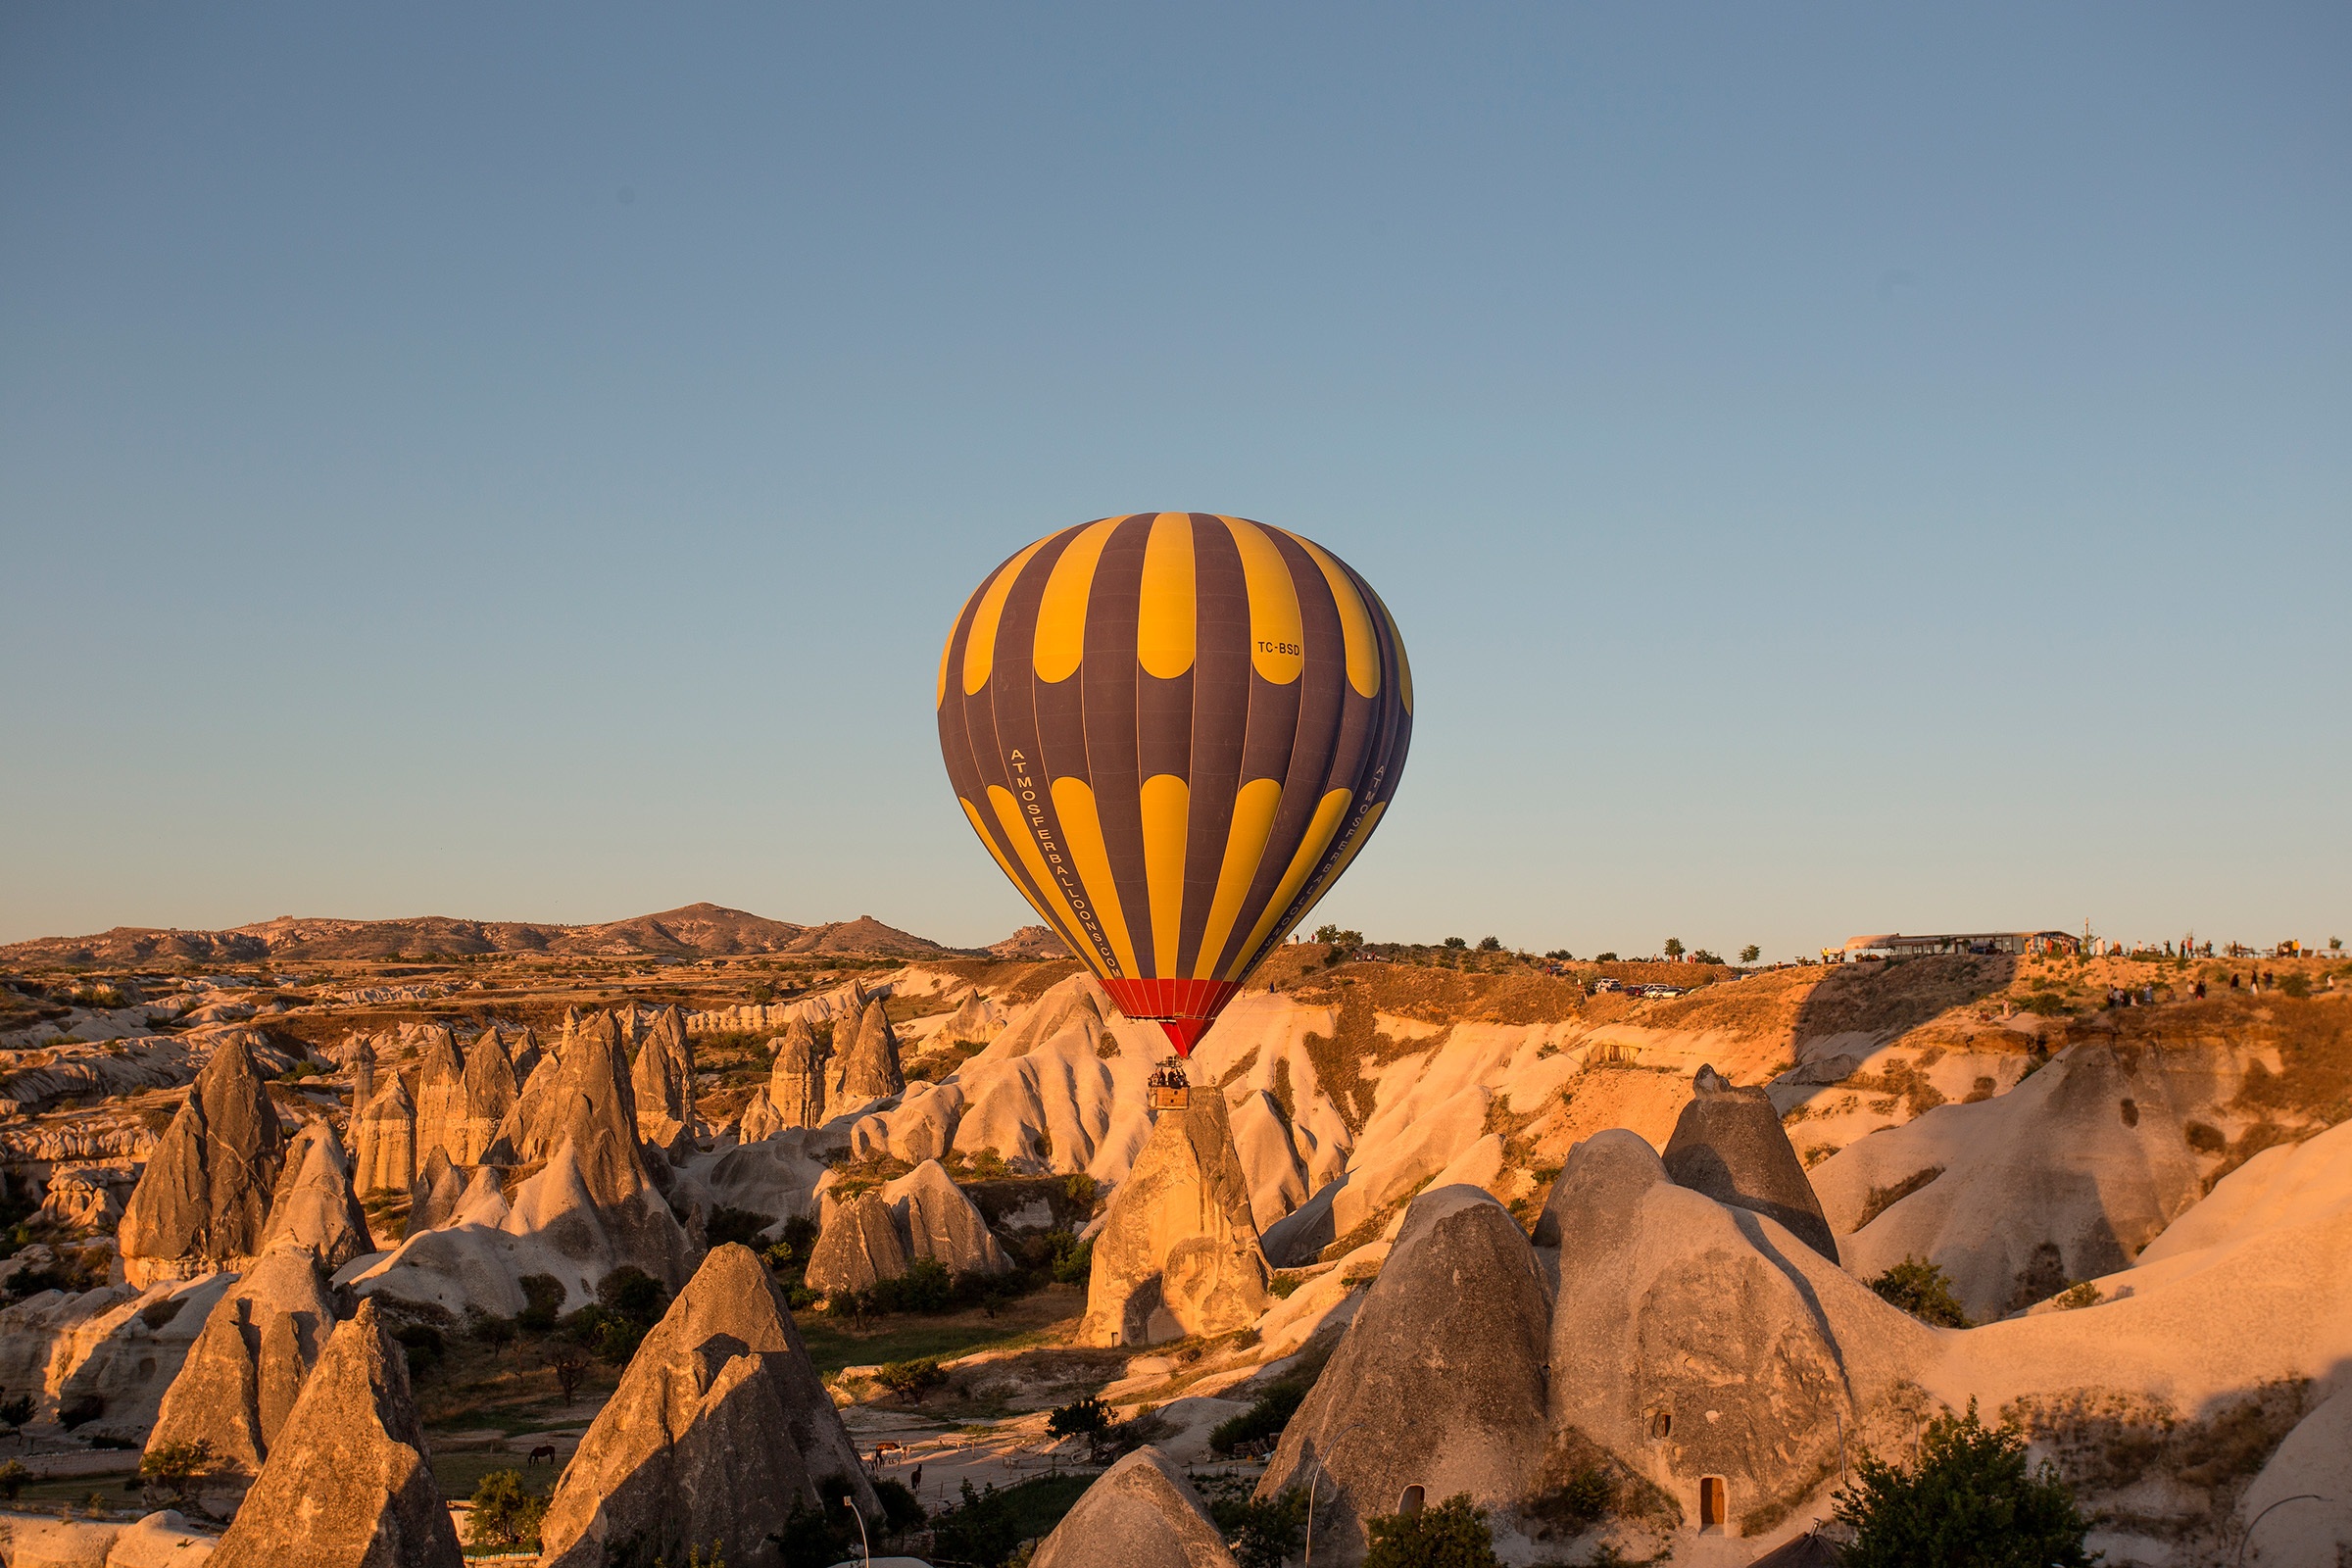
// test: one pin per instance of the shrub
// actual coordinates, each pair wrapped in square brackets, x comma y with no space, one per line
[1079,1417]
[1263,1534]
[505,1512]
[177,1467]
[1578,1503]
[901,1512]
[1923,1290]
[17,1411]
[2082,1293]
[1266,1416]
[424,1347]
[543,1298]
[911,1380]
[737,1225]
[489,1329]
[925,1286]
[12,1476]
[989,1524]
[1452,1533]
[794,1246]
[628,1303]
[1969,1503]
[1074,1260]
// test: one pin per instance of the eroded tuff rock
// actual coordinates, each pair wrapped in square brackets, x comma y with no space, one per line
[941,1222]
[868,1068]
[922,1214]
[315,1204]
[588,1206]
[203,1201]
[440,1097]
[795,1093]
[720,1427]
[383,1140]
[1140,1513]
[1178,1253]
[350,1483]
[245,1372]
[433,1199]
[490,1089]
[1729,1144]
[1691,1339]
[1443,1371]
[860,1246]
[662,1080]
[2065,1177]
[977,1021]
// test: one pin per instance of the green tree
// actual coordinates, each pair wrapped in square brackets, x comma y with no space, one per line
[1923,1290]
[1079,1417]
[178,1468]
[505,1512]
[1456,941]
[1264,1535]
[1969,1503]
[1674,947]
[12,1476]
[1490,944]
[1750,953]
[1454,1534]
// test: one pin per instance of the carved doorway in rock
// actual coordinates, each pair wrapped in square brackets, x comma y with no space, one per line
[1714,1504]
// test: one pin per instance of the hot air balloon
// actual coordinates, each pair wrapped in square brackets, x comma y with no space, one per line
[1173,731]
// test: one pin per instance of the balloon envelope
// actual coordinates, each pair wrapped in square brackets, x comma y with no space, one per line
[1173,731]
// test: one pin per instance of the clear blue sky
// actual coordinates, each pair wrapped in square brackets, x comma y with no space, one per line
[1835,469]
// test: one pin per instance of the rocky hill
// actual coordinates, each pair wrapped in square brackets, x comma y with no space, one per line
[696,931]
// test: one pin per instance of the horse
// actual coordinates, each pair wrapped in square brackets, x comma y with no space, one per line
[545,1451]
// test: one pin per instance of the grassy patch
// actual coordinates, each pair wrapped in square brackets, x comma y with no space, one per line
[1021,1324]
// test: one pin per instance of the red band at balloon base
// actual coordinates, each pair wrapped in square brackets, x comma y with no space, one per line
[1183,1008]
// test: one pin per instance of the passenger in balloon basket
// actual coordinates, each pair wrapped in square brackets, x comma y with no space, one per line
[1170,1089]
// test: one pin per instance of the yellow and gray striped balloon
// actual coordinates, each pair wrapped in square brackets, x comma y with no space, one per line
[1174,731]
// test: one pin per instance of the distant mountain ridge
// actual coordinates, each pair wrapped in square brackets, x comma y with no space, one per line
[695,931]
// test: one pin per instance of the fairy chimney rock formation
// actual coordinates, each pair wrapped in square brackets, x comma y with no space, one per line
[662,1080]
[796,1084]
[440,1095]
[720,1428]
[1443,1370]
[1729,1144]
[245,1372]
[939,1221]
[433,1199]
[349,1483]
[383,1139]
[1140,1513]
[869,1069]
[590,1126]
[1691,1341]
[363,1070]
[860,1245]
[202,1202]
[490,1089]
[1178,1254]
[315,1204]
